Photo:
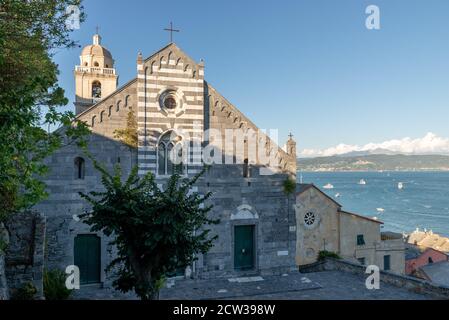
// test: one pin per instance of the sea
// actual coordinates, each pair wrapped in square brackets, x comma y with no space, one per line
[422,203]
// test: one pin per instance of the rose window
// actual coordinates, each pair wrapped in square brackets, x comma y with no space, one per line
[309,218]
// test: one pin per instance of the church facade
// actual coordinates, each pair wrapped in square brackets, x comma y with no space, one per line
[181,117]
[182,122]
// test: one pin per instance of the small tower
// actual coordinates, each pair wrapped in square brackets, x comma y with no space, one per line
[291,146]
[95,77]
[291,151]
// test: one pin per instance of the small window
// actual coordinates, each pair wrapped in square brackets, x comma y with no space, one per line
[93,121]
[127,101]
[101,116]
[361,261]
[96,64]
[387,261]
[430,260]
[79,168]
[96,89]
[245,169]
[85,64]
[360,240]
[170,102]
[309,218]
[118,105]
[110,111]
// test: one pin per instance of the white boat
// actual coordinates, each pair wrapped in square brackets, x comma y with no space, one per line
[400,186]
[328,186]
[337,195]
[380,209]
[362,182]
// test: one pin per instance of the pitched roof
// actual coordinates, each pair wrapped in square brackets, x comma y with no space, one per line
[173,46]
[302,187]
[437,272]
[362,217]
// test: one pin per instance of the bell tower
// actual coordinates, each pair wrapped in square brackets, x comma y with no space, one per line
[95,77]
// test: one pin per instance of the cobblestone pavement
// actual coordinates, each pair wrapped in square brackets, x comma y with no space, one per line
[329,285]
[335,285]
[238,287]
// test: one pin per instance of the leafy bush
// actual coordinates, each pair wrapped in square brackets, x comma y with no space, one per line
[327,254]
[3,245]
[289,186]
[54,285]
[26,292]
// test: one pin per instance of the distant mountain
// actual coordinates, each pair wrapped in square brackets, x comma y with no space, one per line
[375,162]
[367,152]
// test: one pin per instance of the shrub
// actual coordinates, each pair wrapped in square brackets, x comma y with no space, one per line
[3,246]
[289,186]
[327,254]
[54,285]
[26,292]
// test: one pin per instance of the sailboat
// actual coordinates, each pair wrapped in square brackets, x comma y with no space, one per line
[362,182]
[328,186]
[400,186]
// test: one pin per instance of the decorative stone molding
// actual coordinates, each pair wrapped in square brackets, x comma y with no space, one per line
[244,212]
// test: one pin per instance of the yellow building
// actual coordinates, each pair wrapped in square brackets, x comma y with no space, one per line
[322,225]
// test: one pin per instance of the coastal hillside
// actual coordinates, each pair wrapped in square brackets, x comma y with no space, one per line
[376,162]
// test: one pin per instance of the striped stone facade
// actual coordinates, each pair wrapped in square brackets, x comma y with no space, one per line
[169,69]
[256,199]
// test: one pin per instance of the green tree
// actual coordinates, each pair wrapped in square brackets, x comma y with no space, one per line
[129,134]
[155,231]
[30,34]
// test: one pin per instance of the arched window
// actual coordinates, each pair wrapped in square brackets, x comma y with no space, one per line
[93,121]
[169,154]
[245,168]
[96,64]
[80,167]
[96,90]
[110,111]
[118,105]
[101,116]
[127,101]
[430,260]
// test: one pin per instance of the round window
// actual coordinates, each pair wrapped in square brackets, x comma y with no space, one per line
[309,218]
[170,102]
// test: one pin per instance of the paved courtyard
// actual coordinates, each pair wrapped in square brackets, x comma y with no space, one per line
[328,285]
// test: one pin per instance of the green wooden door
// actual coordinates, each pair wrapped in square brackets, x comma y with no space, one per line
[244,247]
[88,258]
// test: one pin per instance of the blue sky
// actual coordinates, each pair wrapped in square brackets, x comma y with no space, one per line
[310,67]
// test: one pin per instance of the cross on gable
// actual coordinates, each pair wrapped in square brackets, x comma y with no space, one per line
[171,30]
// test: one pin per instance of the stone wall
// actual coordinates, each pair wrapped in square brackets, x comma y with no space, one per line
[4,240]
[259,201]
[4,292]
[25,253]
[410,283]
